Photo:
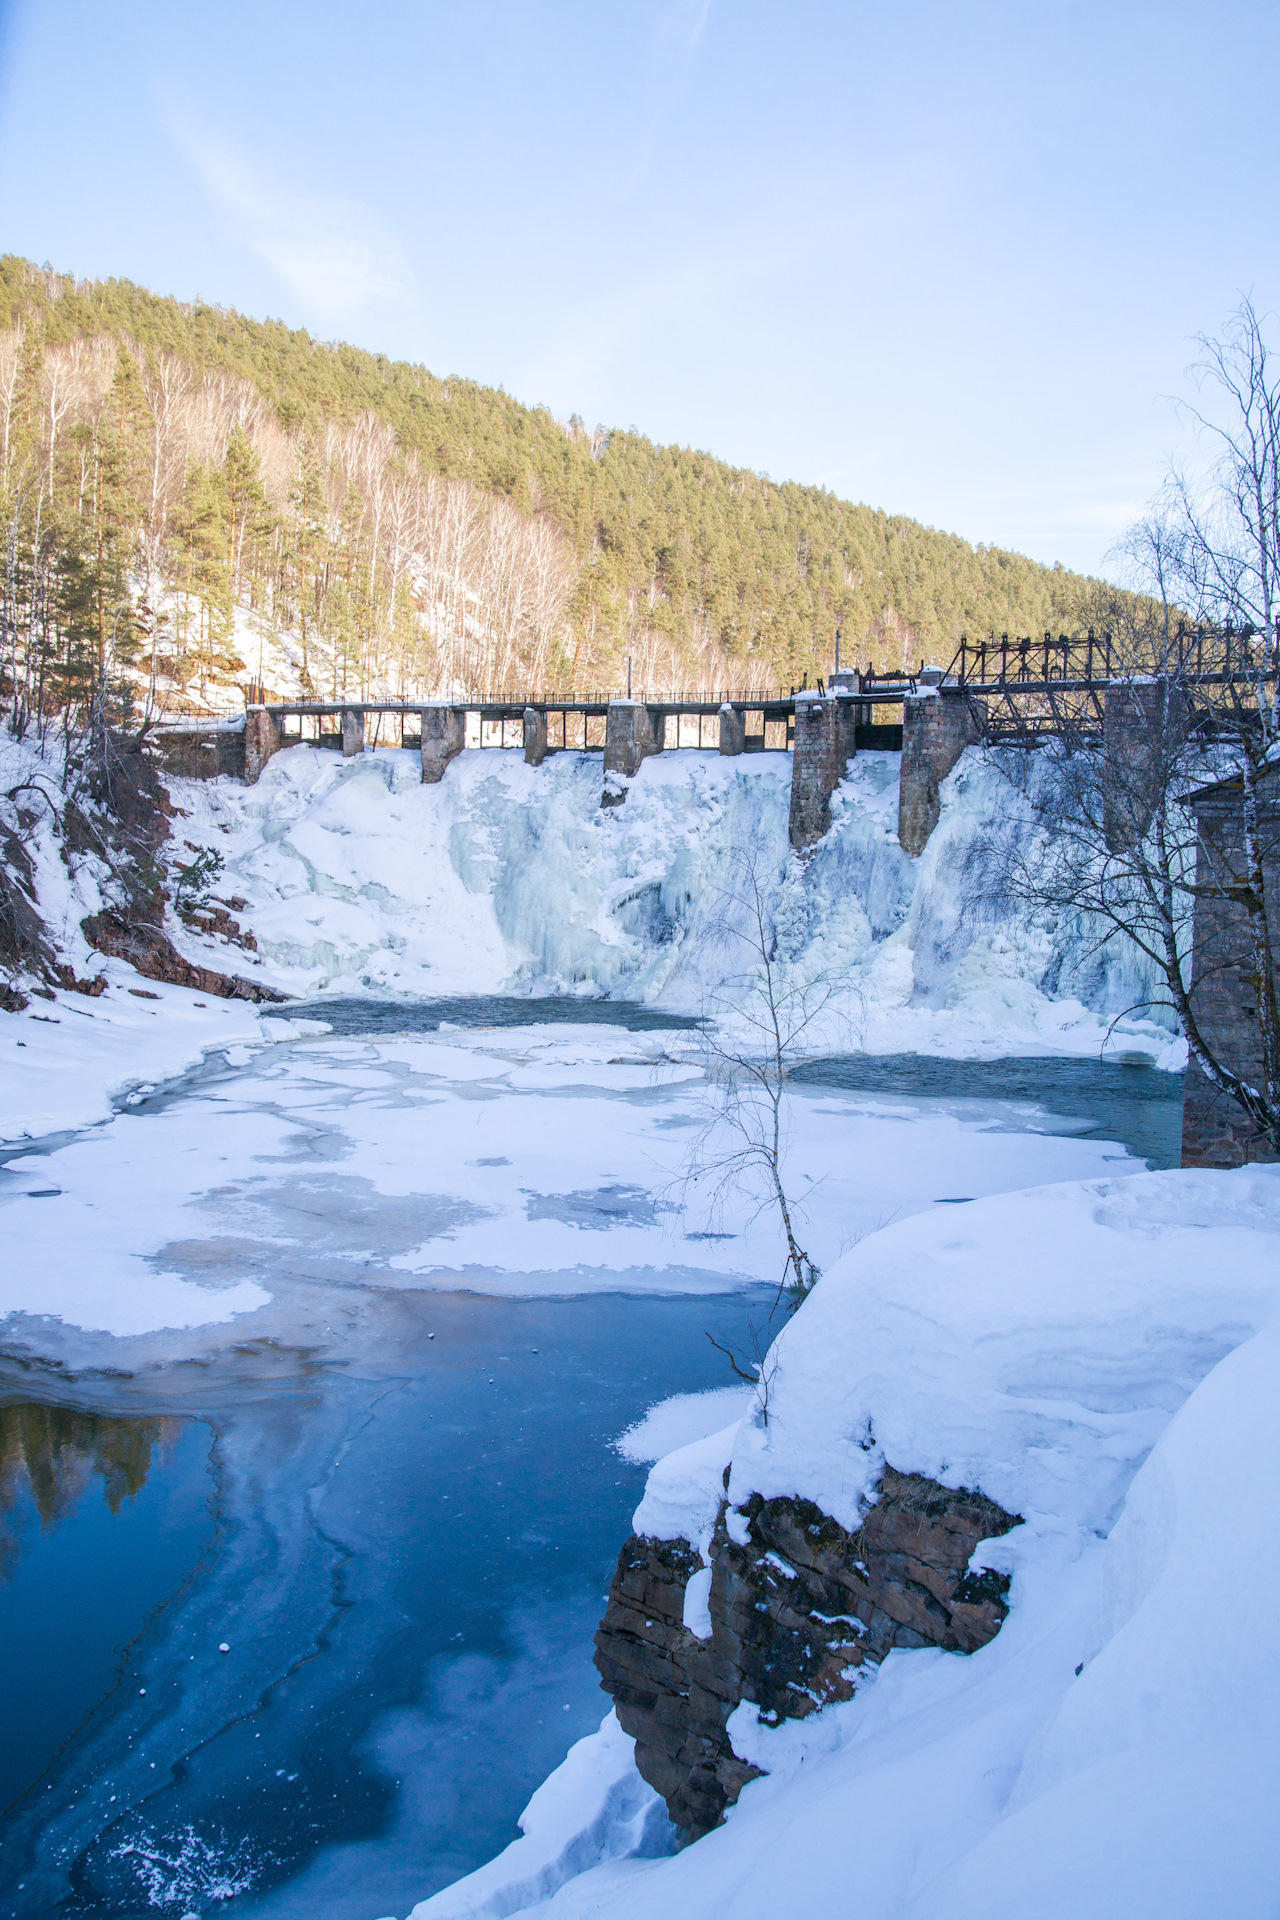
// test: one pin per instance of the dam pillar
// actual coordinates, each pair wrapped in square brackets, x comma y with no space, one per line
[825,742]
[937,726]
[444,734]
[1224,978]
[535,736]
[1143,728]
[352,732]
[632,732]
[261,740]
[733,730]
[847,683]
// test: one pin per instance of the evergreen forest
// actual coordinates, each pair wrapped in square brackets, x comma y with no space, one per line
[198,506]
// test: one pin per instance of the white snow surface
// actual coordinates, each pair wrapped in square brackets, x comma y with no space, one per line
[1103,1358]
[682,1420]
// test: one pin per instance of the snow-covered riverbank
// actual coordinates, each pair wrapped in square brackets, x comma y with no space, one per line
[1102,1359]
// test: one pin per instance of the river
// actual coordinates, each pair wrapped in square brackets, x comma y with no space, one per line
[296,1602]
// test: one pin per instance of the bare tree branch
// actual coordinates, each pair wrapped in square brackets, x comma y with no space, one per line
[753,1038]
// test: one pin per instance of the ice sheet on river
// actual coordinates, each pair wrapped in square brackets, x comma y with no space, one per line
[538,1162]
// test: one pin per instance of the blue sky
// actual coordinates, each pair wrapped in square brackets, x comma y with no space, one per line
[946,259]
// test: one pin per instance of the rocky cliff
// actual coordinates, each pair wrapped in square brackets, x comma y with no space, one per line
[799,1611]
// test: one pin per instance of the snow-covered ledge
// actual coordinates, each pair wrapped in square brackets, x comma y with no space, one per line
[1103,1358]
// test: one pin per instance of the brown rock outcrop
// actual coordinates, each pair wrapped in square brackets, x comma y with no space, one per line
[152,954]
[123,815]
[796,1612]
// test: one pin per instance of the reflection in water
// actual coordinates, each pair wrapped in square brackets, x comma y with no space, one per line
[51,1454]
[102,1519]
[410,1558]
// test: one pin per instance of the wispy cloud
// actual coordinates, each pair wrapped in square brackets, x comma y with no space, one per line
[683,24]
[595,332]
[673,46]
[330,251]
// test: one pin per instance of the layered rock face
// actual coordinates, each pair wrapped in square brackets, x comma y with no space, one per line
[800,1610]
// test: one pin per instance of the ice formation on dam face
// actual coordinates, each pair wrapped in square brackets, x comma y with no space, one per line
[360,878]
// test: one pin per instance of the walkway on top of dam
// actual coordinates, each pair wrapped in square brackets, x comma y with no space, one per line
[1012,693]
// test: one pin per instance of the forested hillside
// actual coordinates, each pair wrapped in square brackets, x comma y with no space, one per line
[193,500]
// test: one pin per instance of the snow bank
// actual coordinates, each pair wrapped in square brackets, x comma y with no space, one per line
[67,1059]
[1103,1358]
[67,1063]
[1032,1346]
[1163,1753]
[682,1420]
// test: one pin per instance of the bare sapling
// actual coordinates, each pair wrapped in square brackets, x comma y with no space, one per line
[754,1036]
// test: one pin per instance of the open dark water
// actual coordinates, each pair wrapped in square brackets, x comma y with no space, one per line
[1106,1099]
[411,1556]
[357,1016]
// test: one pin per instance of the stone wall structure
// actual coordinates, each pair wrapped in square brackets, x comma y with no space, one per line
[632,732]
[536,748]
[1224,991]
[798,1613]
[733,730]
[352,732]
[825,742]
[1143,731]
[200,753]
[937,726]
[444,735]
[261,740]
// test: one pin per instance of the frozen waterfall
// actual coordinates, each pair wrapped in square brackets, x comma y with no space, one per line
[359,878]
